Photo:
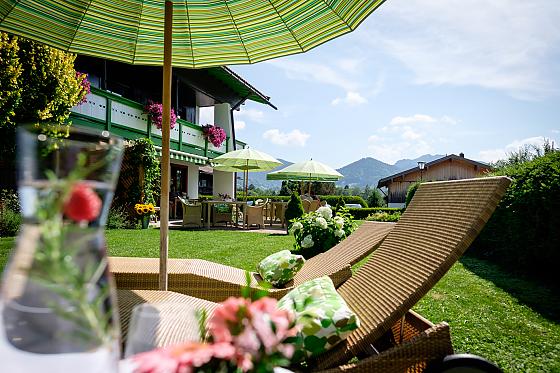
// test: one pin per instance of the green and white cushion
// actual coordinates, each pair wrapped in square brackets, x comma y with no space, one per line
[280,267]
[325,317]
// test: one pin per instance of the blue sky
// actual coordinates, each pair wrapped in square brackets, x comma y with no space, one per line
[418,76]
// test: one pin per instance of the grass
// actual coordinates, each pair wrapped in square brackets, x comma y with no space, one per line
[492,313]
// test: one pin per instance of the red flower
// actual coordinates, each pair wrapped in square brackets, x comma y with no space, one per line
[83,205]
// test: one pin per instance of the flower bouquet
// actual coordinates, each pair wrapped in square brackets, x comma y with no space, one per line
[145,211]
[318,231]
[216,135]
[244,336]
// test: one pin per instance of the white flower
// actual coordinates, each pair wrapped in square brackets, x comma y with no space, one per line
[339,233]
[307,241]
[321,222]
[338,222]
[296,227]
[325,211]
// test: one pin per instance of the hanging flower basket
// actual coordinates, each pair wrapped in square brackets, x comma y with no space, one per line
[155,111]
[214,134]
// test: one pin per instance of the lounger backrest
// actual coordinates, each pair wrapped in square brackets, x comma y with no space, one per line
[348,252]
[438,226]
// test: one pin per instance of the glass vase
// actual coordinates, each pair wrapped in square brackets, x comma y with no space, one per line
[57,299]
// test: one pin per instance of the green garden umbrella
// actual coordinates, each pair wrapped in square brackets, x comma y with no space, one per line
[306,171]
[246,160]
[192,34]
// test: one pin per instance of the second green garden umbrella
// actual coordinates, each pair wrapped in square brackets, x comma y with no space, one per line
[306,171]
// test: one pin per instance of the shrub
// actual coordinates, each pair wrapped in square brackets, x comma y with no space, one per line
[10,222]
[118,218]
[294,210]
[523,233]
[318,231]
[9,200]
[333,200]
[411,191]
[384,216]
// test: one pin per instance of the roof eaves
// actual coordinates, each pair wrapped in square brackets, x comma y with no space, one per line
[255,94]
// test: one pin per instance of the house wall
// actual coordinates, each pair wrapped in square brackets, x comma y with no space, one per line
[447,170]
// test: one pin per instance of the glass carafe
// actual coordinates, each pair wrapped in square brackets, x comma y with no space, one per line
[57,299]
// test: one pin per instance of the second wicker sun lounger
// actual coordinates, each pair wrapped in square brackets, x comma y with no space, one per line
[217,282]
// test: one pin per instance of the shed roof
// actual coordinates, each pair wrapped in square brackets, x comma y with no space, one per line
[385,181]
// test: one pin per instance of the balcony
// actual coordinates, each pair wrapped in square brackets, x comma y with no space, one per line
[123,117]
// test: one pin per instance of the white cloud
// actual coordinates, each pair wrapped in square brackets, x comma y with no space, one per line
[239,125]
[388,150]
[505,45]
[313,72]
[292,138]
[344,74]
[416,118]
[351,99]
[250,114]
[410,137]
[492,155]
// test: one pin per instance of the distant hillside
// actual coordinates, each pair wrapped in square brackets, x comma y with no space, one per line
[368,171]
[365,171]
[406,164]
[258,179]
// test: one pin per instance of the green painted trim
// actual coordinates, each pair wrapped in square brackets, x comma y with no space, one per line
[189,124]
[109,113]
[180,135]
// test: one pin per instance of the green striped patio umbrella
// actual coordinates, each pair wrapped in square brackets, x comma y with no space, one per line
[306,171]
[192,34]
[246,160]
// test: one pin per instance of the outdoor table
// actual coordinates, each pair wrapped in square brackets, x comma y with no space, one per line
[209,205]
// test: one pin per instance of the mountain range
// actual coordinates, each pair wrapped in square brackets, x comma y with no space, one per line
[366,171]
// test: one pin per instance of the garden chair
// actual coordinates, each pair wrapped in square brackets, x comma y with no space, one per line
[437,227]
[222,213]
[254,215]
[216,282]
[192,214]
[306,205]
[314,205]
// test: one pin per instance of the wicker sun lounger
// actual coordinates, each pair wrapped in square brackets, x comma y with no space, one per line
[217,282]
[439,225]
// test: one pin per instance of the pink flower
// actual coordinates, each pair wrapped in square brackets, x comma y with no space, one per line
[157,361]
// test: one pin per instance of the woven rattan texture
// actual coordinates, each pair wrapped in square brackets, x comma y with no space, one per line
[411,356]
[437,227]
[216,282]
[177,321]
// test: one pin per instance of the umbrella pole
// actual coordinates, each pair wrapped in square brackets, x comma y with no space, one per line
[165,130]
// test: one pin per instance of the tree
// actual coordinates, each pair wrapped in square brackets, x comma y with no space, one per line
[39,86]
[374,198]
[294,209]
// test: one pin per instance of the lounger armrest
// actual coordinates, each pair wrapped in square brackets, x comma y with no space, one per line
[415,354]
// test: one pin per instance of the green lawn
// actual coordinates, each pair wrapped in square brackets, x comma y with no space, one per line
[492,313]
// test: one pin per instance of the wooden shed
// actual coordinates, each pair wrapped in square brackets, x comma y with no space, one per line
[450,167]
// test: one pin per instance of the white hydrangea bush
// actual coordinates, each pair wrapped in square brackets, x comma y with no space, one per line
[318,231]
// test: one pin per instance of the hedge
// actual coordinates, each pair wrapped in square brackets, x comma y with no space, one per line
[361,214]
[523,235]
[331,200]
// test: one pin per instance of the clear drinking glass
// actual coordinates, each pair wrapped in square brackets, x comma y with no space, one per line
[56,302]
[160,324]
